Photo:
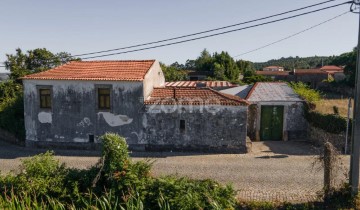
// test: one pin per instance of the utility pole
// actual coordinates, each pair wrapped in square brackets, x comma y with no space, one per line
[347,126]
[355,157]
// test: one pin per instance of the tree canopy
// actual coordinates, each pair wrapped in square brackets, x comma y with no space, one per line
[34,61]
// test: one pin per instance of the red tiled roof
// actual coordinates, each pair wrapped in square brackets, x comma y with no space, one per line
[193,96]
[273,67]
[272,73]
[127,70]
[211,84]
[331,68]
[309,71]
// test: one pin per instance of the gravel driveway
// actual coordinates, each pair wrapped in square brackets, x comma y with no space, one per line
[273,171]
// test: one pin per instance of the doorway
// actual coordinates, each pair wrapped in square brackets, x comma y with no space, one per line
[271,123]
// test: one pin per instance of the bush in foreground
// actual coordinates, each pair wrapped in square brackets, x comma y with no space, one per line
[114,183]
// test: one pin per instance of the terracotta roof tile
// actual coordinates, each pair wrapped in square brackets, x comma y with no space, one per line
[272,73]
[331,68]
[212,84]
[127,70]
[193,96]
[309,71]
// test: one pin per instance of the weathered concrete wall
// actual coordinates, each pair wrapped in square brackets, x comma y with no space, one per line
[314,80]
[294,123]
[154,78]
[74,114]
[252,121]
[210,128]
[318,137]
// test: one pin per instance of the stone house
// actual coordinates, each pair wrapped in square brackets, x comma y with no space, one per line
[72,105]
[275,113]
[207,119]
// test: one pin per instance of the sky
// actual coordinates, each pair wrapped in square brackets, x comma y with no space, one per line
[86,26]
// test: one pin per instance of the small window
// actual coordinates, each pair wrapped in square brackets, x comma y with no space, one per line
[45,98]
[104,98]
[91,138]
[182,125]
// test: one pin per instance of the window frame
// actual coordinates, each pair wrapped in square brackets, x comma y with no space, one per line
[47,97]
[110,95]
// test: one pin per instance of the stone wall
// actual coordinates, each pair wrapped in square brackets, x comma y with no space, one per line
[294,125]
[252,121]
[210,128]
[318,137]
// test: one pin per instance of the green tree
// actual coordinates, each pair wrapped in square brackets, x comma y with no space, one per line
[172,73]
[245,66]
[204,62]
[34,61]
[228,67]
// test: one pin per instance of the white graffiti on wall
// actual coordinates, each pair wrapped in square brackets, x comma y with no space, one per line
[84,122]
[115,120]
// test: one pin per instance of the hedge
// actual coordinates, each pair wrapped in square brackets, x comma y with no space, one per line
[329,122]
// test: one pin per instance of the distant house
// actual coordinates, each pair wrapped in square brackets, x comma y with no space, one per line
[72,105]
[273,68]
[313,77]
[275,113]
[199,75]
[336,72]
[275,75]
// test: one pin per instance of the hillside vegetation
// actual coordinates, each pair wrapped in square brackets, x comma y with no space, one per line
[297,62]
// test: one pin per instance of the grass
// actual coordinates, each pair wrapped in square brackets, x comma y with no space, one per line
[326,106]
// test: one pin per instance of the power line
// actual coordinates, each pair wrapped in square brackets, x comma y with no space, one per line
[221,33]
[288,37]
[207,31]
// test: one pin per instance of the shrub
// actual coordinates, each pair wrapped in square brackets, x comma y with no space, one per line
[116,171]
[329,122]
[305,92]
[185,193]
[114,183]
[42,175]
[12,116]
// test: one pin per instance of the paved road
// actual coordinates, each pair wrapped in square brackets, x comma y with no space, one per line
[279,171]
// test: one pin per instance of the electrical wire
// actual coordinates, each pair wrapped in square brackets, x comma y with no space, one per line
[207,31]
[295,34]
[217,34]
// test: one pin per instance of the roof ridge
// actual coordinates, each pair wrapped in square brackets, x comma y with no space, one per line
[251,91]
[228,96]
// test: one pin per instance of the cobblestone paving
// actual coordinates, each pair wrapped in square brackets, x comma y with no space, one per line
[273,171]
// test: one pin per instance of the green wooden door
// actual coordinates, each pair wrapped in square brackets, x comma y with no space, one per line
[271,126]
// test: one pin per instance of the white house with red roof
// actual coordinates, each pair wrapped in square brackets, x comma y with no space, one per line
[273,68]
[70,106]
